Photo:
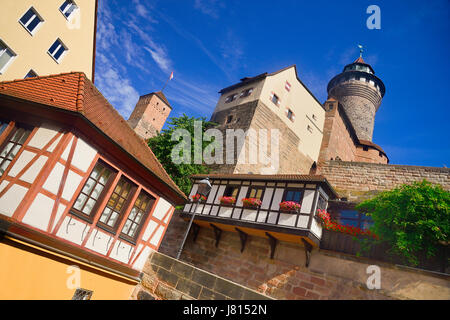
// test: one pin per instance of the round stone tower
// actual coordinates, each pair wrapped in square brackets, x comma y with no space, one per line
[360,92]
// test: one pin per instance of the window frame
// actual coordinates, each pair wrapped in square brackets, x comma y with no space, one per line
[250,188]
[58,60]
[277,103]
[2,51]
[71,3]
[35,74]
[141,223]
[246,93]
[107,186]
[7,140]
[286,190]
[232,187]
[123,210]
[36,15]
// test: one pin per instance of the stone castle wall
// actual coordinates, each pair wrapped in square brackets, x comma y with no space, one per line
[329,276]
[358,180]
[256,115]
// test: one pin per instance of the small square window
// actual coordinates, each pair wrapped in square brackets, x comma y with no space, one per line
[287,86]
[31,21]
[67,8]
[231,98]
[275,99]
[6,56]
[290,115]
[31,74]
[57,50]
[82,294]
[229,119]
[310,129]
[246,93]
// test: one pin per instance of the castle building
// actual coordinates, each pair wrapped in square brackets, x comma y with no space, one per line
[47,37]
[354,97]
[78,187]
[279,101]
[150,114]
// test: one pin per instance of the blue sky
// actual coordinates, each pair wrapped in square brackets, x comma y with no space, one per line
[211,44]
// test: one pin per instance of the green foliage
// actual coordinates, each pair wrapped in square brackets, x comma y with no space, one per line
[162,146]
[411,218]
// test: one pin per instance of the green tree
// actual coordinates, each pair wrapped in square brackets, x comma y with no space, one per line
[411,218]
[163,144]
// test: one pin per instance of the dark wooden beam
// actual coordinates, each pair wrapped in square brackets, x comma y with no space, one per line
[273,244]
[217,233]
[308,249]
[244,237]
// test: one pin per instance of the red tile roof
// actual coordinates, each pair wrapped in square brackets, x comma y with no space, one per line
[75,92]
[360,60]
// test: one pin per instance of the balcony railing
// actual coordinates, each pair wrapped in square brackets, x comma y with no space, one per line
[259,218]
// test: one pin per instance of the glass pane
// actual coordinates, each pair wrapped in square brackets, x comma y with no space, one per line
[297,196]
[64,5]
[26,17]
[33,23]
[105,176]
[59,52]
[349,214]
[118,188]
[112,200]
[112,219]
[133,230]
[97,191]
[346,222]
[88,186]
[53,47]
[6,149]
[4,166]
[235,192]
[126,227]
[132,214]
[96,171]
[126,190]
[70,10]
[80,201]
[13,152]
[24,136]
[3,126]
[289,195]
[105,215]
[259,193]
[138,218]
[138,202]
[17,135]
[89,205]
[119,204]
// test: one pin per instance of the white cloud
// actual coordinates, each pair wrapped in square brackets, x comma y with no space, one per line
[209,7]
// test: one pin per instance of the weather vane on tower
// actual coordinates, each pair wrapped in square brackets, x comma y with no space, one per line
[361,50]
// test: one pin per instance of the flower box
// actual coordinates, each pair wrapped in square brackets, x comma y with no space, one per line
[227,201]
[198,197]
[290,206]
[251,203]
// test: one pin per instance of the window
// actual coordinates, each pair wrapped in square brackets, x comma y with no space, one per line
[67,8]
[255,192]
[231,98]
[116,205]
[309,128]
[352,218]
[246,93]
[231,191]
[321,203]
[57,50]
[135,219]
[82,294]
[3,126]
[31,21]
[314,116]
[12,146]
[293,195]
[287,86]
[275,99]
[92,191]
[31,74]
[6,56]
[229,119]
[290,114]
[365,148]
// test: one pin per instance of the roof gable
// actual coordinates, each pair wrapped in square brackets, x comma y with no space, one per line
[75,92]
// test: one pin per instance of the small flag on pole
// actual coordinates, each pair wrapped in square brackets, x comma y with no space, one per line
[171,76]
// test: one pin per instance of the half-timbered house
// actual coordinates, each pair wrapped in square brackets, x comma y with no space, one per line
[77,187]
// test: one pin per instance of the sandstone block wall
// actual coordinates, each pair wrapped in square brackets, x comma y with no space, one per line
[329,276]
[165,278]
[358,181]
